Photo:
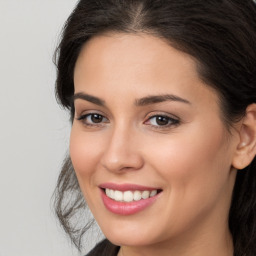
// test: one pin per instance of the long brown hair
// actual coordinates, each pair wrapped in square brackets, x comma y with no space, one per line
[220,35]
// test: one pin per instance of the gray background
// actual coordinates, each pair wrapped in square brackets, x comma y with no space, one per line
[34,130]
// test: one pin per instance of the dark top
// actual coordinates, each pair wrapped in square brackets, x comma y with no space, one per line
[104,248]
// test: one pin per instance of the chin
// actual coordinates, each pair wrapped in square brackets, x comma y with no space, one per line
[132,238]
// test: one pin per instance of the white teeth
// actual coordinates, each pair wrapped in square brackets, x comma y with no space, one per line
[145,194]
[112,194]
[118,196]
[153,193]
[136,195]
[107,191]
[129,196]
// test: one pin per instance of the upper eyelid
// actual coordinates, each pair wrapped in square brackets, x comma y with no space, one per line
[150,101]
[147,116]
[82,116]
[169,115]
[88,112]
[173,119]
[176,120]
[82,106]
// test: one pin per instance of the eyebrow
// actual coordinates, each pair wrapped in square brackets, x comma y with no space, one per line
[138,102]
[87,97]
[159,98]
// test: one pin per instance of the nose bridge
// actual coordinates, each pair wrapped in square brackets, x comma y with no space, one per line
[121,152]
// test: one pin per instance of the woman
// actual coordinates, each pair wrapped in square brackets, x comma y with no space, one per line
[162,100]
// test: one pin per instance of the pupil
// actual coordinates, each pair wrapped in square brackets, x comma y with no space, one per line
[161,120]
[96,118]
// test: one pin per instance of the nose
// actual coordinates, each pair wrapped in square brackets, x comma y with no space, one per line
[122,151]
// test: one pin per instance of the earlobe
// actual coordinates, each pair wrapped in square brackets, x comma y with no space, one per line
[246,149]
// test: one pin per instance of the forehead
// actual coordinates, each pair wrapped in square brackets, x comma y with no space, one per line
[134,51]
[138,63]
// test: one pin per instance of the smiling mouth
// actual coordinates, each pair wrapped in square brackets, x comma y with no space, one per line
[130,196]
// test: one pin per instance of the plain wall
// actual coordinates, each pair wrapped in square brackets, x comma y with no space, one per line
[34,131]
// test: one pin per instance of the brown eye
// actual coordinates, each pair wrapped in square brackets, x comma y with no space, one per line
[162,120]
[92,119]
[96,118]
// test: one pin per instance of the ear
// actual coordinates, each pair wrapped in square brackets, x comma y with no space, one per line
[246,149]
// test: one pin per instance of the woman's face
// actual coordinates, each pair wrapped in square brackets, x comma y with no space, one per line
[148,132]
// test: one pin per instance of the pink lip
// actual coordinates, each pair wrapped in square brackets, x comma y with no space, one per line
[124,208]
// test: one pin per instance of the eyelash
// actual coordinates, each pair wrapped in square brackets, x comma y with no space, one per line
[171,121]
[83,118]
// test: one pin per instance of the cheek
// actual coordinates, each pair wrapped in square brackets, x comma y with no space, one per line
[84,154]
[194,163]
[195,169]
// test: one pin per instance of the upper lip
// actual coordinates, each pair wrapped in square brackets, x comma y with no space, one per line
[126,187]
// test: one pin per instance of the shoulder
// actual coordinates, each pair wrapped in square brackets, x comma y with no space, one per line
[104,248]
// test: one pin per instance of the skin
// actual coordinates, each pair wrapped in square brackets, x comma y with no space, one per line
[190,160]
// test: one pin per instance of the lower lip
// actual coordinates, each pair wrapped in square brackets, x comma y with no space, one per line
[123,208]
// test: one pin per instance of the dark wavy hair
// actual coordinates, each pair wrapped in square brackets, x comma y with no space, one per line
[220,35]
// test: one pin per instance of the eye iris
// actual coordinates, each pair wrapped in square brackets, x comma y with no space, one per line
[161,120]
[96,118]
